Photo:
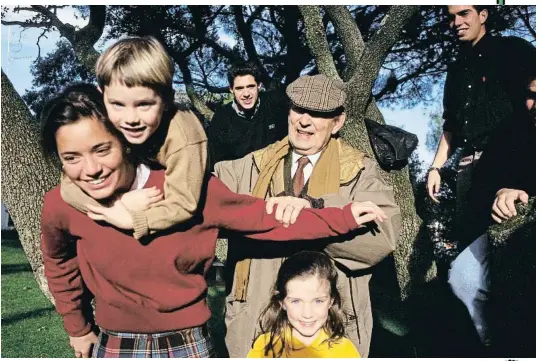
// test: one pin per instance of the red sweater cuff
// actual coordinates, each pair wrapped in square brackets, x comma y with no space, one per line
[349,217]
[76,325]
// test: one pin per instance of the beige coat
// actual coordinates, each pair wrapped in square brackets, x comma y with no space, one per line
[352,256]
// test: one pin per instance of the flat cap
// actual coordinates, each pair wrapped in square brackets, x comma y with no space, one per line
[317,93]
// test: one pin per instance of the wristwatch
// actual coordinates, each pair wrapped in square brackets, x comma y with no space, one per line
[433,168]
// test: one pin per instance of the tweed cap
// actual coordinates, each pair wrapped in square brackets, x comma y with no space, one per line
[317,93]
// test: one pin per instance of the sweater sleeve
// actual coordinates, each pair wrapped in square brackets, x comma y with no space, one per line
[184,154]
[368,248]
[247,215]
[62,270]
[74,196]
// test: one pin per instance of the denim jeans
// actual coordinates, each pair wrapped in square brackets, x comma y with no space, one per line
[469,280]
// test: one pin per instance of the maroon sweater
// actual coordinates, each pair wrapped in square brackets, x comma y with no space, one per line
[159,286]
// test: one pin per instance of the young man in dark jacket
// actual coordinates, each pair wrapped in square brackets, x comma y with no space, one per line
[252,121]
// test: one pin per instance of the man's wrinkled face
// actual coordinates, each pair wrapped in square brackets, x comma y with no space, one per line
[309,132]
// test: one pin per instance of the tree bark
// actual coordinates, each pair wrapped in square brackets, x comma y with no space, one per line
[82,40]
[350,36]
[316,38]
[413,253]
[26,176]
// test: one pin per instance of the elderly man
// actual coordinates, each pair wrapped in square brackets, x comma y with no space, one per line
[317,168]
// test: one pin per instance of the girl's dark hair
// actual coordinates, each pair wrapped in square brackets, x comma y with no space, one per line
[274,320]
[75,102]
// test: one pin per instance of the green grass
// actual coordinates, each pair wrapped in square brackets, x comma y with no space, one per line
[31,327]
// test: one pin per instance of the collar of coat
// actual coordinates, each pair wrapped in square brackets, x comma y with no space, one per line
[350,159]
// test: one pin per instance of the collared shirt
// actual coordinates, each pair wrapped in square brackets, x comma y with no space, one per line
[142,176]
[485,85]
[243,113]
[307,171]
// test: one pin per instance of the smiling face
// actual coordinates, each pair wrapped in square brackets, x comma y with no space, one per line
[467,23]
[309,132]
[245,90]
[135,111]
[307,303]
[92,158]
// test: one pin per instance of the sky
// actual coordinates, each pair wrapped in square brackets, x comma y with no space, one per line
[22,50]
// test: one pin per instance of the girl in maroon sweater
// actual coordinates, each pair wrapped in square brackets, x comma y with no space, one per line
[150,297]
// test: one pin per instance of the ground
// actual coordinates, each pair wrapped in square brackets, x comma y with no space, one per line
[31,327]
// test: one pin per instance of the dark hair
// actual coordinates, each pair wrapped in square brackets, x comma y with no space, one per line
[72,104]
[479,8]
[489,21]
[244,69]
[274,320]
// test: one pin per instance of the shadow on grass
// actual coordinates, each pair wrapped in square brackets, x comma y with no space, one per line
[216,298]
[15,268]
[26,315]
[10,239]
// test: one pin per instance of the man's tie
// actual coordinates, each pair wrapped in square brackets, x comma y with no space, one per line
[299,179]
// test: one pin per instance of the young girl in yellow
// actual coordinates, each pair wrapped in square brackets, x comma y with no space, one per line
[304,316]
[135,76]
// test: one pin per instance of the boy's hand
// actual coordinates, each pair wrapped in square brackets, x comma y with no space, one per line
[365,212]
[81,345]
[141,199]
[288,208]
[504,205]
[116,215]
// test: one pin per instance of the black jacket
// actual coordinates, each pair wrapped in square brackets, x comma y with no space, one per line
[484,86]
[232,136]
[509,161]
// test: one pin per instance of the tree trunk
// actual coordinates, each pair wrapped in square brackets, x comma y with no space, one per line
[26,175]
[413,254]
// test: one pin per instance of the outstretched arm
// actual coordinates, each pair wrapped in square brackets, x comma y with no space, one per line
[247,215]
[367,248]
[62,270]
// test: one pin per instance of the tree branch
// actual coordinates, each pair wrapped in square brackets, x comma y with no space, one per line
[66,30]
[82,40]
[255,15]
[227,53]
[378,48]
[199,103]
[317,41]
[248,41]
[27,24]
[525,18]
[350,36]
[38,41]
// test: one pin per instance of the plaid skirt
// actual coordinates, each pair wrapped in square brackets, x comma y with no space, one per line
[191,342]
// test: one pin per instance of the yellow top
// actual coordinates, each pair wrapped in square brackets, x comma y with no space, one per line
[343,348]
